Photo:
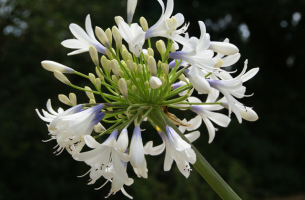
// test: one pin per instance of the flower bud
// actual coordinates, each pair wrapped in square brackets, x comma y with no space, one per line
[101,35]
[117,37]
[146,56]
[151,63]
[139,68]
[92,101]
[131,7]
[97,71]
[121,73]
[155,82]
[103,61]
[150,52]
[90,95]
[92,78]
[52,66]
[118,19]
[61,77]
[162,80]
[123,87]
[165,68]
[64,99]
[115,67]
[161,47]
[159,63]
[173,48]
[114,79]
[124,64]
[144,24]
[134,88]
[99,127]
[109,54]
[128,83]
[124,47]
[109,35]
[73,99]
[130,65]
[218,63]
[146,84]
[125,54]
[169,23]
[183,78]
[138,80]
[223,48]
[93,55]
[175,23]
[120,116]
[98,83]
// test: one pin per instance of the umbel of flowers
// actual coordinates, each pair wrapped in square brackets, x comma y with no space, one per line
[142,89]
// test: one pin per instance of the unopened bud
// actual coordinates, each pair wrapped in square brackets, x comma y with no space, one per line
[161,47]
[101,35]
[150,52]
[114,79]
[121,73]
[109,35]
[155,82]
[218,63]
[130,65]
[144,24]
[120,116]
[125,54]
[98,83]
[123,63]
[223,48]
[165,68]
[73,99]
[146,56]
[118,19]
[138,80]
[175,23]
[183,78]
[139,68]
[173,48]
[90,95]
[92,78]
[97,71]
[151,63]
[64,99]
[92,101]
[146,84]
[162,79]
[117,37]
[169,23]
[159,63]
[52,66]
[61,77]
[115,67]
[134,88]
[109,54]
[99,127]
[93,55]
[128,83]
[123,87]
[124,47]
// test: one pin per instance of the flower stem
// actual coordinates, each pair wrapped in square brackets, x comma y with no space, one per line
[201,165]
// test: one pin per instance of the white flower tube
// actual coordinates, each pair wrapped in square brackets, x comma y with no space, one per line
[131,7]
[199,83]
[136,151]
[52,66]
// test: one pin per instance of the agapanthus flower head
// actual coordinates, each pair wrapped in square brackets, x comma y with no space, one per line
[133,86]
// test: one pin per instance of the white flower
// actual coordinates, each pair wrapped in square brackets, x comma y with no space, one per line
[136,151]
[179,150]
[198,80]
[133,35]
[233,88]
[83,39]
[166,26]
[131,7]
[205,113]
[105,160]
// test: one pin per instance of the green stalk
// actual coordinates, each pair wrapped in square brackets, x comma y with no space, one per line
[201,165]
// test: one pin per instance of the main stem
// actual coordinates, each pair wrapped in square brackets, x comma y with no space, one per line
[201,165]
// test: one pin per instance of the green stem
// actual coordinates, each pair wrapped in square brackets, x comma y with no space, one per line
[201,165]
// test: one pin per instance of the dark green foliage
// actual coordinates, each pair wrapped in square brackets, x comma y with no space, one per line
[258,160]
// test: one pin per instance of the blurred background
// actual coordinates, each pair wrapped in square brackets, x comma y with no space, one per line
[259,160]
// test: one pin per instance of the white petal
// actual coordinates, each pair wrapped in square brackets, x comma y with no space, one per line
[79,33]
[74,44]
[157,150]
[195,122]
[175,140]
[230,60]
[78,51]
[179,18]
[250,74]
[193,135]
[248,114]
[220,119]
[136,148]
[223,48]
[148,147]
[89,27]
[91,142]
[123,140]
[210,128]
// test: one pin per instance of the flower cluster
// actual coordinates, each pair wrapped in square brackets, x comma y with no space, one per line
[140,88]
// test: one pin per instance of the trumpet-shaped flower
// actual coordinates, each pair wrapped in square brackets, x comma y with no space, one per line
[133,35]
[131,7]
[198,81]
[179,150]
[166,26]
[83,39]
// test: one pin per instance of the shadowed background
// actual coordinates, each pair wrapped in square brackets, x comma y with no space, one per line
[259,160]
